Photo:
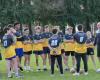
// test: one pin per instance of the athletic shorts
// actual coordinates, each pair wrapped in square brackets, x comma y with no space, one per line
[46,50]
[19,52]
[38,52]
[0,56]
[90,51]
[68,53]
[28,53]
[11,58]
[98,51]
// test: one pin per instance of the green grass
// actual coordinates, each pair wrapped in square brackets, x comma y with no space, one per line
[46,75]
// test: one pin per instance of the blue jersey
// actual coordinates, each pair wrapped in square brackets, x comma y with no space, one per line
[80,37]
[61,35]
[54,41]
[90,40]
[38,36]
[47,35]
[26,38]
[7,41]
[18,36]
[97,39]
[69,36]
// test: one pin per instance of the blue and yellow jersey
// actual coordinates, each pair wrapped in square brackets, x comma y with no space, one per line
[9,46]
[69,46]
[80,42]
[61,35]
[27,46]
[39,45]
[55,44]
[46,36]
[97,38]
[90,41]
[19,39]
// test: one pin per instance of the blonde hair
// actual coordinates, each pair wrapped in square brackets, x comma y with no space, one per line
[89,34]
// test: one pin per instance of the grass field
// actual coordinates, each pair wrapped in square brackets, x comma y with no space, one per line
[46,75]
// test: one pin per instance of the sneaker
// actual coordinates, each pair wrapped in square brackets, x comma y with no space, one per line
[45,69]
[38,70]
[21,69]
[18,76]
[61,74]
[76,74]
[25,68]
[72,70]
[67,69]
[98,70]
[52,75]
[86,73]
[29,68]
[9,75]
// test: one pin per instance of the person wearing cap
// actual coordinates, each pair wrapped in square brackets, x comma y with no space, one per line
[69,45]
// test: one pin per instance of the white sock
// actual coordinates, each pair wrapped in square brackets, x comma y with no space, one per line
[28,67]
[25,67]
[38,67]
[16,74]
[44,66]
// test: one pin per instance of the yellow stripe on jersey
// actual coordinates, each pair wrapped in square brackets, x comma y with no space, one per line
[27,47]
[9,52]
[69,46]
[19,44]
[80,48]
[45,43]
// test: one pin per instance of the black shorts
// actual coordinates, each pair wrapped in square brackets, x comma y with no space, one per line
[0,56]
[90,51]
[28,53]
[46,50]
[38,52]
[68,53]
[98,51]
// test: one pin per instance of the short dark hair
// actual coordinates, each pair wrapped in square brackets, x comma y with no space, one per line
[80,27]
[54,31]
[16,23]
[6,29]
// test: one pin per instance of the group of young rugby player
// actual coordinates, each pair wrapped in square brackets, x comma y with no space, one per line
[51,44]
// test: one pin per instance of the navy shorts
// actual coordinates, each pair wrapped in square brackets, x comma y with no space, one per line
[19,52]
[46,50]
[90,51]
[68,53]
[28,53]
[38,52]
[11,58]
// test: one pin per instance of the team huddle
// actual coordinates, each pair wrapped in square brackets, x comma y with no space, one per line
[51,44]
